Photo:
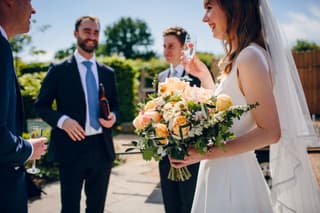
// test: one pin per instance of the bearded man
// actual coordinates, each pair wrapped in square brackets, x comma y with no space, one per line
[81,142]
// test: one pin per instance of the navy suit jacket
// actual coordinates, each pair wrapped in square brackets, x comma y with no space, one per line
[63,84]
[14,150]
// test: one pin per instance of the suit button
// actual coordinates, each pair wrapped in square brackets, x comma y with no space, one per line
[16,168]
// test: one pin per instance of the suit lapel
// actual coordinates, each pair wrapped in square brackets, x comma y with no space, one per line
[77,89]
[75,74]
[19,101]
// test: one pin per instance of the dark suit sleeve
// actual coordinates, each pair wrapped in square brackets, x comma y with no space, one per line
[13,149]
[47,95]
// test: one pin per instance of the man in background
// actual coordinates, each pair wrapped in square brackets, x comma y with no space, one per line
[177,196]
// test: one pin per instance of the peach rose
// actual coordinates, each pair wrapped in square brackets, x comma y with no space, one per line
[197,94]
[180,121]
[151,115]
[162,88]
[138,122]
[223,102]
[162,131]
[171,85]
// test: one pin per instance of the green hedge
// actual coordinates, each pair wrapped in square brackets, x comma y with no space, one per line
[30,85]
[126,74]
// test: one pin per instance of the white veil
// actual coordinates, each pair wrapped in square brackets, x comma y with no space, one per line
[294,187]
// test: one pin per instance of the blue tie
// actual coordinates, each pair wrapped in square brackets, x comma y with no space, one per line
[92,96]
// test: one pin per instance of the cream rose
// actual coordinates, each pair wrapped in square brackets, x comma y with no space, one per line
[223,102]
[150,105]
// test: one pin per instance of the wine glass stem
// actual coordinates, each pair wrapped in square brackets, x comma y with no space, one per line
[34,164]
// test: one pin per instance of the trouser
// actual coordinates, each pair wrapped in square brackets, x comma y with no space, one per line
[92,170]
[177,196]
[13,191]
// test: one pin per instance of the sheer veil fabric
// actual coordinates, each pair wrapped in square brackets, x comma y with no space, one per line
[294,187]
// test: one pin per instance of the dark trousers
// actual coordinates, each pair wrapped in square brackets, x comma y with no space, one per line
[263,159]
[13,192]
[177,196]
[262,155]
[91,170]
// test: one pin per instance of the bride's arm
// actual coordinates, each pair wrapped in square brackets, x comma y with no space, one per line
[197,68]
[257,87]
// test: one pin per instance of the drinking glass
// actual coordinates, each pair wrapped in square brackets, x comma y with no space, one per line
[189,46]
[35,132]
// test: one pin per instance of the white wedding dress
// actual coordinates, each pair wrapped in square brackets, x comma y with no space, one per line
[233,184]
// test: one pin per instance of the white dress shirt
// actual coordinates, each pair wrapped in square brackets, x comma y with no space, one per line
[82,71]
[180,70]
[3,33]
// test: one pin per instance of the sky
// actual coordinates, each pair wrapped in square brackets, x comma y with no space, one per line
[299,19]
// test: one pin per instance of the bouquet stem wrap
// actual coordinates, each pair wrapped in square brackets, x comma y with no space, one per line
[181,174]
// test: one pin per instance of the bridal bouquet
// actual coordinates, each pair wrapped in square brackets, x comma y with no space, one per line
[180,117]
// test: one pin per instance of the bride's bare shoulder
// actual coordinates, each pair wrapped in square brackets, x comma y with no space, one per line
[252,59]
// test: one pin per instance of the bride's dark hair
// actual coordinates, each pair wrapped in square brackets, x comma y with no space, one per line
[243,24]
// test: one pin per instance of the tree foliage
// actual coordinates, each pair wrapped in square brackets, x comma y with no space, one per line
[129,38]
[19,42]
[63,53]
[304,45]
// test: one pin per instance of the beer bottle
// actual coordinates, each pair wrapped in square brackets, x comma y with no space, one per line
[103,103]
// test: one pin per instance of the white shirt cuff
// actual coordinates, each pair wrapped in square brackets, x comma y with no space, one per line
[61,120]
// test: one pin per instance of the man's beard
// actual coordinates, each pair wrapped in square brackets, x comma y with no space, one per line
[82,45]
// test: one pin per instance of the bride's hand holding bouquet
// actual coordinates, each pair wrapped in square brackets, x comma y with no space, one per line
[192,158]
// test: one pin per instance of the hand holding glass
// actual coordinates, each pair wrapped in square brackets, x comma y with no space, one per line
[189,47]
[35,132]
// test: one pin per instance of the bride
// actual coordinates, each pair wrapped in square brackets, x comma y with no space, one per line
[257,67]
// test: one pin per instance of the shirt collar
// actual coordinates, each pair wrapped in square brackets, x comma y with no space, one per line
[179,68]
[80,58]
[4,34]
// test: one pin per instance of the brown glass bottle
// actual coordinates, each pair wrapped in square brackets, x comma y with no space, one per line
[103,103]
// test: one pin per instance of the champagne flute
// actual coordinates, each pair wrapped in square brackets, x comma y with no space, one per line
[189,48]
[35,132]
[172,71]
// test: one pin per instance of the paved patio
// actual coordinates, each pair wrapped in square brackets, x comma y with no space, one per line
[134,187]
